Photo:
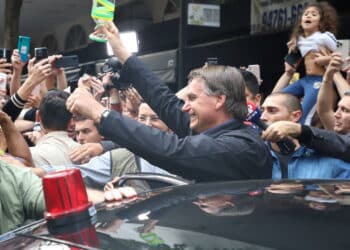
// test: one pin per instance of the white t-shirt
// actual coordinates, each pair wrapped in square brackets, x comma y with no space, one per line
[315,41]
[53,149]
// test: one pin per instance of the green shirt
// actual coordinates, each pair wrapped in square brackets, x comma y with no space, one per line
[21,196]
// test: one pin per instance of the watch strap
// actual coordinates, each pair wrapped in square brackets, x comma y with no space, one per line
[104,114]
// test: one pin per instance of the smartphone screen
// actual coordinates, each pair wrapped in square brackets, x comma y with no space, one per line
[23,47]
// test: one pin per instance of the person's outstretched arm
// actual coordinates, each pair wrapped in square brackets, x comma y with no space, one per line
[17,66]
[328,143]
[285,78]
[16,144]
[15,104]
[154,92]
[341,83]
[326,93]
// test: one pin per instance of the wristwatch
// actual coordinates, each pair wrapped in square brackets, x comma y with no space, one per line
[37,126]
[104,114]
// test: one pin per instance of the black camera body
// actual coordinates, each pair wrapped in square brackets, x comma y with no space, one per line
[113,65]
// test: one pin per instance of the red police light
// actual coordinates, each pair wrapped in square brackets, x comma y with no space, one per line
[65,194]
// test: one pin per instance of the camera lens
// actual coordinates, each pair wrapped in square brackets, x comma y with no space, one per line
[106,68]
[112,65]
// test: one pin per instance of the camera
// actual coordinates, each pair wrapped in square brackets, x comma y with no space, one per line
[114,66]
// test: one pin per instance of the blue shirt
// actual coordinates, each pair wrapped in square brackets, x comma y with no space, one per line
[305,163]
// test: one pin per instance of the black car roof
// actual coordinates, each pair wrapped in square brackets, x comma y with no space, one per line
[245,215]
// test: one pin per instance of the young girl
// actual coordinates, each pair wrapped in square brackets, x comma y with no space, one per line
[312,35]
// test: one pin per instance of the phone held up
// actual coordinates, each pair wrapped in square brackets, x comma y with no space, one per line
[5,53]
[67,61]
[23,47]
[343,48]
[293,58]
[255,70]
[40,54]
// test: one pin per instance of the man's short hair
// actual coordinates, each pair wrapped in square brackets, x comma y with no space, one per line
[224,80]
[53,112]
[80,118]
[251,82]
[291,102]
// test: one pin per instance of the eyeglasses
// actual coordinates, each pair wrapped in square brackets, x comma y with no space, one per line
[144,118]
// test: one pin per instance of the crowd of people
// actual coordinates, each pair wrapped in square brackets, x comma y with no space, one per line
[200,133]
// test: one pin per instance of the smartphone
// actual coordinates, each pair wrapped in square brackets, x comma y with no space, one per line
[41,53]
[255,69]
[73,85]
[343,48]
[67,61]
[5,53]
[23,47]
[293,58]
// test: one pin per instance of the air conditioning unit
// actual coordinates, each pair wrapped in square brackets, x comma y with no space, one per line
[163,64]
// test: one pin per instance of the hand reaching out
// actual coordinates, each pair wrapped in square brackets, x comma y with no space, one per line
[4,66]
[52,59]
[17,64]
[134,97]
[333,66]
[281,130]
[292,45]
[83,103]
[39,71]
[117,194]
[85,152]
[97,88]
[34,101]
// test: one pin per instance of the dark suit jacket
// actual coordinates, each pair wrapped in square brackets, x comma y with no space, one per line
[230,151]
[326,142]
